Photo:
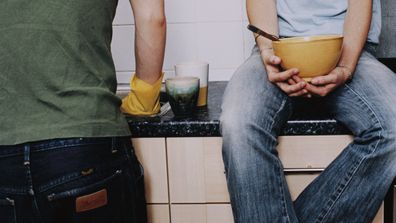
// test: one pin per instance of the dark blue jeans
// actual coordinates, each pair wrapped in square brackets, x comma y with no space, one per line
[71,180]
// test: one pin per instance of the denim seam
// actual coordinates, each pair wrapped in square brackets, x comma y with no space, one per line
[367,104]
[282,191]
[64,146]
[60,181]
[82,189]
[44,148]
[11,155]
[277,112]
[13,190]
[284,208]
[342,188]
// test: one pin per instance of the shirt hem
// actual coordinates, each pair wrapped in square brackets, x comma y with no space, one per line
[60,132]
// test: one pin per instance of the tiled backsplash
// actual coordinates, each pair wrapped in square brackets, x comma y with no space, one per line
[203,30]
[213,31]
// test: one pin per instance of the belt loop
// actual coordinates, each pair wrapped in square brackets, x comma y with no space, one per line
[114,148]
[26,163]
[26,155]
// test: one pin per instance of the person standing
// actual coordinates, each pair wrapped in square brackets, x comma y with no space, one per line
[359,92]
[65,148]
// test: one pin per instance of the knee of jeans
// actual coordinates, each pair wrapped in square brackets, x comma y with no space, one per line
[387,130]
[234,124]
[383,141]
[240,134]
[389,134]
[387,149]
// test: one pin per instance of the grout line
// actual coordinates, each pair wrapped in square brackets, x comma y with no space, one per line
[157,203]
[168,180]
[207,203]
[243,34]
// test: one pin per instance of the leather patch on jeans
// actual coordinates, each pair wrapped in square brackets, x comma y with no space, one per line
[91,201]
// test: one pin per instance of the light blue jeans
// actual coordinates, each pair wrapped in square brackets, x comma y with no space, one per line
[351,188]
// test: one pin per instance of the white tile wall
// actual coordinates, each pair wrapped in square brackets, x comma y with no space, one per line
[204,30]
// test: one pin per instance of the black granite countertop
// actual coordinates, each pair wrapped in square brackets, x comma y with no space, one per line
[314,121]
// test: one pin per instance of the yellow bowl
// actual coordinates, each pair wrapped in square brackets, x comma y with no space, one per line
[312,55]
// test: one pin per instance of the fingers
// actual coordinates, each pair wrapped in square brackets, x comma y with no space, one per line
[272,60]
[323,85]
[295,89]
[302,92]
[297,78]
[291,81]
[334,77]
[321,91]
[271,63]
[284,80]
[281,76]
[324,80]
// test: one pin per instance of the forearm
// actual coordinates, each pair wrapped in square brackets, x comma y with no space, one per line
[356,28]
[150,37]
[263,14]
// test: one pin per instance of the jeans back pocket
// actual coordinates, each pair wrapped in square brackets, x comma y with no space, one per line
[101,201]
[7,210]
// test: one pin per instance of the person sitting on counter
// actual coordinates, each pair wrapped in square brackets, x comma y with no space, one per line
[360,92]
[65,148]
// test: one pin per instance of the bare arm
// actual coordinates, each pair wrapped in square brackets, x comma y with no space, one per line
[150,37]
[263,14]
[356,28]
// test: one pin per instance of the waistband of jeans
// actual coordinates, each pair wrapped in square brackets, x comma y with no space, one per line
[45,145]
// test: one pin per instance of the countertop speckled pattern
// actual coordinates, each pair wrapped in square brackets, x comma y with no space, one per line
[206,122]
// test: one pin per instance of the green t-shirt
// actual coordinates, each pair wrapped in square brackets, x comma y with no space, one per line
[57,76]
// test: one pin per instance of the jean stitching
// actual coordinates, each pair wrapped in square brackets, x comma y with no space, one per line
[75,176]
[60,181]
[277,113]
[342,188]
[284,208]
[367,104]
[82,189]
[11,152]
[71,145]
[45,148]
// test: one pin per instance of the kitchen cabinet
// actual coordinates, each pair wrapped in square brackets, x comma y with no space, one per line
[151,152]
[158,213]
[310,152]
[196,170]
[216,213]
[201,213]
[191,172]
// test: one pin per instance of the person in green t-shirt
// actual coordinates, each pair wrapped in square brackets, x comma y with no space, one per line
[65,148]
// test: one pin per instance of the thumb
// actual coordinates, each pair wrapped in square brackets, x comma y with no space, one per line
[272,60]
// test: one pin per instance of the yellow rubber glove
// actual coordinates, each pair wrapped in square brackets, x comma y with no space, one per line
[143,98]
